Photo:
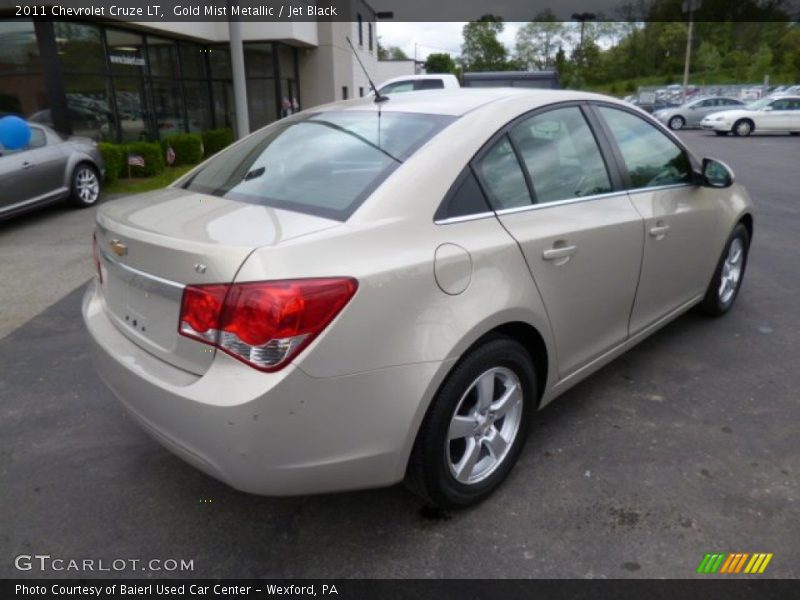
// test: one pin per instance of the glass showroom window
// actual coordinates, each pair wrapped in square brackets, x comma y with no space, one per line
[23,91]
[86,85]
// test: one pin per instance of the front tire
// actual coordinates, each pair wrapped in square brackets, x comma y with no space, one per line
[727,279]
[676,123]
[475,427]
[85,186]
[743,127]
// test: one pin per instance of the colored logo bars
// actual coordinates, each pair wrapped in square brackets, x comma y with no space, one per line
[735,562]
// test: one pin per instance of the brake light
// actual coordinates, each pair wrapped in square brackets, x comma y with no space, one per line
[96,258]
[264,324]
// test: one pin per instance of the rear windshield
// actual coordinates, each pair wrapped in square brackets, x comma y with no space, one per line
[324,164]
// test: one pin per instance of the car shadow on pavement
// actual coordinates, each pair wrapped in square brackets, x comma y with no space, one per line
[81,479]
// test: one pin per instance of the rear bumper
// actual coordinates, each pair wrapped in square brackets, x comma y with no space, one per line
[279,433]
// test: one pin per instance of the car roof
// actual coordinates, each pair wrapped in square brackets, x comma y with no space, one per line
[460,101]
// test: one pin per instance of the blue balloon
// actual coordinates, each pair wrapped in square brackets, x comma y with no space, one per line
[15,133]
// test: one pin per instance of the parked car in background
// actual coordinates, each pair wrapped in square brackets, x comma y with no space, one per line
[779,113]
[691,113]
[51,168]
[371,292]
[416,83]
[652,107]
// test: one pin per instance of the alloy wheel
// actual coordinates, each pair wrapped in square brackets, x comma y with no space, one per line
[484,425]
[676,123]
[743,128]
[731,271]
[87,186]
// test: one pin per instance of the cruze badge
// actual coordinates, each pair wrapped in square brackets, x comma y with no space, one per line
[118,248]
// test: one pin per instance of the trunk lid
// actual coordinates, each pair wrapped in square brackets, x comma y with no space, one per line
[151,246]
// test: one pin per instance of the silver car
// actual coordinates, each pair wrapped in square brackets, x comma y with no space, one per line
[691,113]
[50,168]
[367,293]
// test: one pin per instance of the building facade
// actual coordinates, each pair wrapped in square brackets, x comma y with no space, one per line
[124,82]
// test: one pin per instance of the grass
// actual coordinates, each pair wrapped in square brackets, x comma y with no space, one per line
[137,185]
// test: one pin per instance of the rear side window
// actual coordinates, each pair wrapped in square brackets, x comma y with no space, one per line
[502,177]
[466,198]
[429,84]
[324,164]
[561,155]
[651,158]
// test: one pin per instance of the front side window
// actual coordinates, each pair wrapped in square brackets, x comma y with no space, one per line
[324,164]
[38,138]
[651,158]
[502,177]
[561,155]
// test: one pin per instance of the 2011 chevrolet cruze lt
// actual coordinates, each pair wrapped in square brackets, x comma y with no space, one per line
[370,292]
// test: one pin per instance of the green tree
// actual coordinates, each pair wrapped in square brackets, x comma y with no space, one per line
[390,52]
[440,63]
[709,58]
[481,50]
[789,49]
[538,41]
[761,64]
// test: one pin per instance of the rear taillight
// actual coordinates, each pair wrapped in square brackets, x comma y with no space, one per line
[96,257]
[264,324]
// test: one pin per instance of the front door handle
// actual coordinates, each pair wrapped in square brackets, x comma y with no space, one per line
[659,230]
[559,253]
[28,165]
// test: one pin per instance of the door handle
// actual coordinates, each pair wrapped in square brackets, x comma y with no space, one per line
[559,252]
[28,165]
[659,231]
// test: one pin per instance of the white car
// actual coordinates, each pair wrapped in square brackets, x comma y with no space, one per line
[768,114]
[417,83]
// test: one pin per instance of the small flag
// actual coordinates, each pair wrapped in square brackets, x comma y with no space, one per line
[135,160]
[170,155]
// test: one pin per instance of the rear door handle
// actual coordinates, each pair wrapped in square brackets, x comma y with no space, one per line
[659,231]
[559,252]
[28,165]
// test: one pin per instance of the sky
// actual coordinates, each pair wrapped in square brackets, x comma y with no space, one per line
[433,37]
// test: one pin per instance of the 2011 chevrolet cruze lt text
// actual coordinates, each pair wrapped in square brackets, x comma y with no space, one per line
[370,292]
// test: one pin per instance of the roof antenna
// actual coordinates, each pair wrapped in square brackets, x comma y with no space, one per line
[378,97]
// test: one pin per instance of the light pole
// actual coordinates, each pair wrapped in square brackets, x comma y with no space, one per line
[688,6]
[582,18]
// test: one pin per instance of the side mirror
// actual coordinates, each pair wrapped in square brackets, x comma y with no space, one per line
[717,174]
[767,108]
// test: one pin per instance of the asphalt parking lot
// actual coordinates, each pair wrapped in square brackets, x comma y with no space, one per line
[686,445]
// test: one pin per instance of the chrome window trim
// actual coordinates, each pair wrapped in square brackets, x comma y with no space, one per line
[463,218]
[543,205]
[146,281]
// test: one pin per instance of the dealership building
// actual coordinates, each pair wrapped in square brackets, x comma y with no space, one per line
[125,81]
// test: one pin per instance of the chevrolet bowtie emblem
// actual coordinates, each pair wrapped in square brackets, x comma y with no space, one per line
[118,248]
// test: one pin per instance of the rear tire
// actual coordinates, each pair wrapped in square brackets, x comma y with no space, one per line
[676,123]
[85,188]
[476,426]
[729,274]
[743,127]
